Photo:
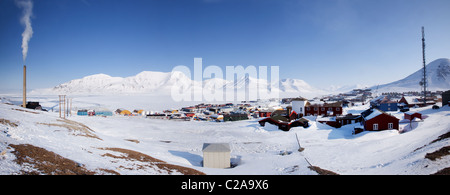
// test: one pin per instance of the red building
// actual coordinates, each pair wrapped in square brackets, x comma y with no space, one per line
[377,120]
[264,113]
[411,116]
[416,101]
[325,109]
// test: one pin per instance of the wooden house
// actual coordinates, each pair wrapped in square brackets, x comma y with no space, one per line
[323,109]
[264,113]
[285,120]
[414,101]
[410,116]
[283,123]
[298,105]
[377,120]
[330,121]
[348,119]
[383,103]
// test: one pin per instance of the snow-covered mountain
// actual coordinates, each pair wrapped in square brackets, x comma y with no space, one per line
[438,78]
[144,82]
[162,82]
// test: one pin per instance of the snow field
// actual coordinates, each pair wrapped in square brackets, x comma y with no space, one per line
[255,149]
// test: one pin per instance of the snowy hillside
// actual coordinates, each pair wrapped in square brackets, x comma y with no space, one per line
[160,82]
[135,145]
[438,73]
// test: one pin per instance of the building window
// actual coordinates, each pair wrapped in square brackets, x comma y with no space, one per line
[375,126]
[330,109]
[338,109]
[308,109]
[390,125]
[315,108]
[323,109]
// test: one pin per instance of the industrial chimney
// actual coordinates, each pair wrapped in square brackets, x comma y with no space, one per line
[24,103]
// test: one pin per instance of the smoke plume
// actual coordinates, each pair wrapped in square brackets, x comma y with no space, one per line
[25,20]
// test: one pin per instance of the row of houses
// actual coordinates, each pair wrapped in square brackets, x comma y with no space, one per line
[106,112]
[316,108]
[376,118]
[373,119]
[92,112]
[387,103]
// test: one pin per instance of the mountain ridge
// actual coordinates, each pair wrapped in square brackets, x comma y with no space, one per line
[161,82]
[438,72]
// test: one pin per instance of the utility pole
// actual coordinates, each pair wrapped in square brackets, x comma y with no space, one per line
[62,103]
[70,110]
[424,79]
[59,103]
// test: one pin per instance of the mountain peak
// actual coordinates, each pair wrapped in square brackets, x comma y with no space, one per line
[438,78]
[100,75]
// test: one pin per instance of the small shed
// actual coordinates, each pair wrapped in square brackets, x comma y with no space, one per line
[216,155]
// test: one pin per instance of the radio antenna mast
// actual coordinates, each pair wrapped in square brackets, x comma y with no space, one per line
[424,79]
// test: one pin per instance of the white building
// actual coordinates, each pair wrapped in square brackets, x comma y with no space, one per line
[216,155]
[298,105]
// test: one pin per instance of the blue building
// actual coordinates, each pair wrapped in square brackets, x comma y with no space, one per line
[103,113]
[82,113]
[94,113]
[384,104]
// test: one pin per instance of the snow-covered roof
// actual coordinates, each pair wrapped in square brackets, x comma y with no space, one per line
[377,99]
[374,114]
[216,147]
[411,99]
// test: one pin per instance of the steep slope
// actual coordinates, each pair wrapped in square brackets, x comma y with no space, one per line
[438,77]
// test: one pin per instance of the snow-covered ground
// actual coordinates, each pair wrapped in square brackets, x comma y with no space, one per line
[255,149]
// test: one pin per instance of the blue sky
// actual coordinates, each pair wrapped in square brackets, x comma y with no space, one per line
[323,42]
